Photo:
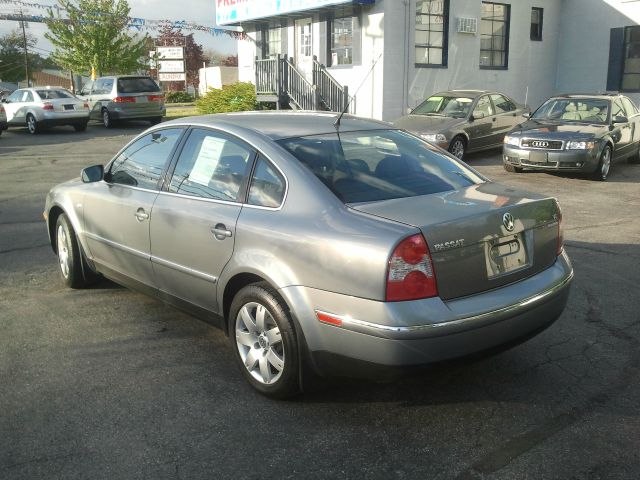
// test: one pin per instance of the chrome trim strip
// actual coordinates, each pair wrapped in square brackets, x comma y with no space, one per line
[119,246]
[443,328]
[182,269]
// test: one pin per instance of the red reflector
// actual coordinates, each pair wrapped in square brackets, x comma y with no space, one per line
[86,105]
[155,98]
[125,100]
[329,319]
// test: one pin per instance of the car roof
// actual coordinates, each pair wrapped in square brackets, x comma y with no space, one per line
[467,93]
[601,96]
[279,125]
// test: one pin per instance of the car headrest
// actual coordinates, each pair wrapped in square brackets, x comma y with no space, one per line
[396,166]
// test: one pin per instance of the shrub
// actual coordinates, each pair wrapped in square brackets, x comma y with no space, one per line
[236,97]
[178,97]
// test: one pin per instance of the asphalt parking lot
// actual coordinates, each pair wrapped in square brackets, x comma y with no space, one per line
[107,383]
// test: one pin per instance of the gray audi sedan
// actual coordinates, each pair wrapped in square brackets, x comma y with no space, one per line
[462,121]
[319,247]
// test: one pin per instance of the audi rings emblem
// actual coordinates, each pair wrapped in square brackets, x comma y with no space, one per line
[539,144]
[509,222]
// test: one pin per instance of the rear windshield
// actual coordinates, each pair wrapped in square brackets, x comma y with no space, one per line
[370,166]
[137,85]
[591,110]
[53,94]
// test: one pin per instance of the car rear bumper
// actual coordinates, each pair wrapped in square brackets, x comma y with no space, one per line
[149,110]
[557,160]
[403,334]
[3,125]
[63,118]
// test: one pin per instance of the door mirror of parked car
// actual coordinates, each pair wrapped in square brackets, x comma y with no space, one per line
[409,110]
[92,174]
[526,115]
[620,119]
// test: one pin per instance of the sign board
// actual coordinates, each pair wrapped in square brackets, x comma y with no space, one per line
[171,66]
[170,53]
[235,11]
[172,77]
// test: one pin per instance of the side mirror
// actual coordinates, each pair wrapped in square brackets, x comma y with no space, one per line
[526,115]
[477,115]
[92,174]
[620,119]
[409,110]
[472,117]
[4,100]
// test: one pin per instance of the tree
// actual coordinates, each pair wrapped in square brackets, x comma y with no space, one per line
[12,57]
[193,56]
[93,36]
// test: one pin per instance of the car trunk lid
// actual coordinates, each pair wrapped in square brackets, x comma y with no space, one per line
[481,237]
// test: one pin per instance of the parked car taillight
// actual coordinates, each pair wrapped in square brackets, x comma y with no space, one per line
[47,106]
[1,108]
[560,245]
[156,98]
[410,275]
[86,105]
[124,100]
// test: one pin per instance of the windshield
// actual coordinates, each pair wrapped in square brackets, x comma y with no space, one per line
[379,165]
[591,110]
[137,85]
[448,106]
[53,94]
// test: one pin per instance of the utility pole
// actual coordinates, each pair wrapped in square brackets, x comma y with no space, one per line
[26,53]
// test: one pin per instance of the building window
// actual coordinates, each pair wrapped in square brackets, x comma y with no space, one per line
[271,42]
[536,23]
[432,26]
[341,41]
[494,35]
[631,68]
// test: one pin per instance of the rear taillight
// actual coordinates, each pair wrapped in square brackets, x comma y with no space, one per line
[411,274]
[124,100]
[1,108]
[156,98]
[47,106]
[560,244]
[86,105]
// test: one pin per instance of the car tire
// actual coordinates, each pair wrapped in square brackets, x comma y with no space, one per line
[263,340]
[601,173]
[458,147]
[635,158]
[32,124]
[155,120]
[80,127]
[70,258]
[107,121]
[511,168]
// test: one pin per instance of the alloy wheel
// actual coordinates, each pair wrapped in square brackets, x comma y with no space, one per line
[259,343]
[31,124]
[605,163]
[457,148]
[63,251]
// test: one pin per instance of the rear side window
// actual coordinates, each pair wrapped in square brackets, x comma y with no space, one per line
[502,104]
[211,165]
[267,185]
[142,163]
[379,165]
[137,85]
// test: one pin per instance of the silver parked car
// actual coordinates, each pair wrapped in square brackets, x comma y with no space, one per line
[126,97]
[311,244]
[3,119]
[42,107]
[464,121]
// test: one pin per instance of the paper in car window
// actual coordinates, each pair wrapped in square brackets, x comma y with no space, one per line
[207,160]
[463,100]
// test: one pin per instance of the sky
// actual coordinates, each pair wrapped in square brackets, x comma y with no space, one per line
[201,12]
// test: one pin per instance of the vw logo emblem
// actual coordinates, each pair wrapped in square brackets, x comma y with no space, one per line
[539,144]
[509,222]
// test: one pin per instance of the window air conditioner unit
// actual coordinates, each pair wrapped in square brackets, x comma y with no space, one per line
[467,25]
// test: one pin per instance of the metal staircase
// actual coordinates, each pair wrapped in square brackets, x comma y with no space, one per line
[279,81]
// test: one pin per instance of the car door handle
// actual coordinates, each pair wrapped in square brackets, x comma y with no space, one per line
[220,231]
[141,215]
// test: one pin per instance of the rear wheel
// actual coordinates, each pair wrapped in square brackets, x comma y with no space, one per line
[80,127]
[32,124]
[264,341]
[604,165]
[107,121]
[511,168]
[458,146]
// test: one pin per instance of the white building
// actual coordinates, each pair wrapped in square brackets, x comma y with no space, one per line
[529,49]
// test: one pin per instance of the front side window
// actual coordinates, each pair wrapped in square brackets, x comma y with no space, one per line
[86,89]
[341,41]
[483,108]
[267,185]
[536,23]
[444,105]
[502,103]
[431,30]
[141,164]
[617,110]
[494,35]
[631,59]
[15,96]
[27,96]
[629,107]
[377,165]
[211,165]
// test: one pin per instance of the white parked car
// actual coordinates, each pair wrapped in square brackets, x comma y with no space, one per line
[3,119]
[41,107]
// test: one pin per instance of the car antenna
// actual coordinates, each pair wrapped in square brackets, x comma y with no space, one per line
[346,107]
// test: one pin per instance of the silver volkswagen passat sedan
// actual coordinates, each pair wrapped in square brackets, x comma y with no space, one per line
[323,247]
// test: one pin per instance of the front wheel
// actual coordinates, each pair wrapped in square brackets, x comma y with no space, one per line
[604,165]
[264,341]
[69,256]
[32,124]
[458,146]
[511,168]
